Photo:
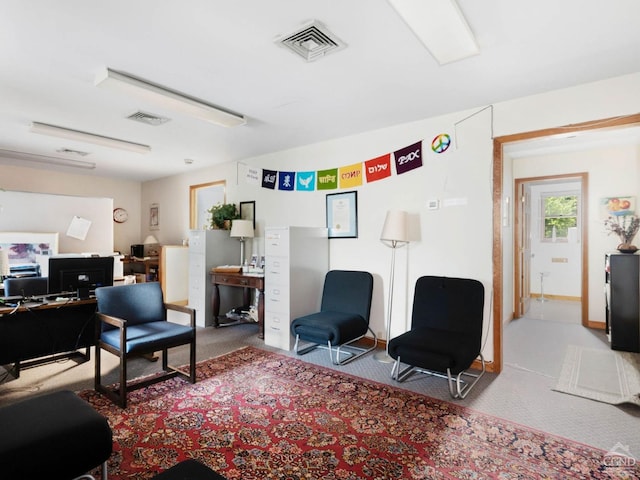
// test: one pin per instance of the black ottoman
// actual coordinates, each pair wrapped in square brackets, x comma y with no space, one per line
[189,470]
[54,436]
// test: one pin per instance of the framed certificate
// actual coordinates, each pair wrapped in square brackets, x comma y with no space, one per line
[342,215]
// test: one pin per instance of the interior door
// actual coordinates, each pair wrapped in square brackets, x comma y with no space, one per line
[523,247]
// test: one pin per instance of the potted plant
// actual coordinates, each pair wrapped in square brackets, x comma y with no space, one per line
[221,214]
[625,227]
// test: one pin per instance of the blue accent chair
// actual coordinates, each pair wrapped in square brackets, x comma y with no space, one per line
[132,321]
[446,332]
[342,320]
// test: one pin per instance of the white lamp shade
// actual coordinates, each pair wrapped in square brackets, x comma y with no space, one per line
[150,240]
[395,227]
[5,270]
[241,228]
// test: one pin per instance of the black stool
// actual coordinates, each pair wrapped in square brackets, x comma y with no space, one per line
[189,469]
[53,436]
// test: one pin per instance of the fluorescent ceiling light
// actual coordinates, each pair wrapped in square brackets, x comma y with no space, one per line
[77,135]
[167,98]
[61,162]
[440,26]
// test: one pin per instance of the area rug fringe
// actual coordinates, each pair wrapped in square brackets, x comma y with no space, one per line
[255,414]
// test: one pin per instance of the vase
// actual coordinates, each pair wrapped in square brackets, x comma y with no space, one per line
[627,248]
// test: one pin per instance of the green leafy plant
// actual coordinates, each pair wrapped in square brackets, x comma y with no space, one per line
[221,214]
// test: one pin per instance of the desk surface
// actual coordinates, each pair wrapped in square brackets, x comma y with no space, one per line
[44,305]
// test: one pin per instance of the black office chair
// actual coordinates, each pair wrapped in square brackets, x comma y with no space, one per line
[132,321]
[446,332]
[343,317]
[25,286]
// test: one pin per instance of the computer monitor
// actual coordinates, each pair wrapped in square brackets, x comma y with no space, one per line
[79,275]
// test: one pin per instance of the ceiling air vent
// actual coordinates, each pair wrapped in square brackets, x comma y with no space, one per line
[148,118]
[312,41]
[70,151]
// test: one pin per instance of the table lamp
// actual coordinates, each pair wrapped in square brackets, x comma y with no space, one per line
[5,270]
[241,229]
[394,235]
[151,240]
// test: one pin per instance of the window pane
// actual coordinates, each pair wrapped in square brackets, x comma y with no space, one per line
[561,206]
[561,212]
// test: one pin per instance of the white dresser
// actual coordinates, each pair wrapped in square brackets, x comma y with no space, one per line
[208,249]
[296,261]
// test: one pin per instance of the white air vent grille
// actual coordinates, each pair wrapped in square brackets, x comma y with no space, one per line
[148,118]
[69,151]
[312,41]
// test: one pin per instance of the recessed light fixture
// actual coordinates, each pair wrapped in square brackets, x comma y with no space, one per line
[79,136]
[167,98]
[440,26]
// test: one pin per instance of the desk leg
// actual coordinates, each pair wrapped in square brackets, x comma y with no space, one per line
[260,294]
[215,304]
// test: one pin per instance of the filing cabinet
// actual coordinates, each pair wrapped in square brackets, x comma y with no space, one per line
[296,261]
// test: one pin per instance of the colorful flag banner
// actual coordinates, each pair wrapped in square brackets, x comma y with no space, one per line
[408,158]
[328,179]
[249,174]
[269,178]
[286,180]
[378,168]
[351,176]
[306,181]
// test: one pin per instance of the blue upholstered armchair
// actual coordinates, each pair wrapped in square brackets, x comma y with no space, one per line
[343,317]
[446,332]
[132,321]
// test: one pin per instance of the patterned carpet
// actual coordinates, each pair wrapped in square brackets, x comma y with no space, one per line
[254,414]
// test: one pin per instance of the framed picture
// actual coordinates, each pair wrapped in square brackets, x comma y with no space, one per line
[201,198]
[342,215]
[248,212]
[617,206]
[154,217]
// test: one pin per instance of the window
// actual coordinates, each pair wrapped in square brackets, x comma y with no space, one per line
[560,214]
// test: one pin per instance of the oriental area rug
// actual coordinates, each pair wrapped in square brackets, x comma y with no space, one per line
[259,415]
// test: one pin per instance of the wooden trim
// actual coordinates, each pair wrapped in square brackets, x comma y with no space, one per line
[567,298]
[498,144]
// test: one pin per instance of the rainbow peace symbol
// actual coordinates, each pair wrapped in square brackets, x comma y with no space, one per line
[441,143]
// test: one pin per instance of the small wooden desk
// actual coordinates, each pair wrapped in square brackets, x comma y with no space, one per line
[241,280]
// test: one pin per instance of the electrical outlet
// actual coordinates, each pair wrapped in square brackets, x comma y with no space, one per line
[433,204]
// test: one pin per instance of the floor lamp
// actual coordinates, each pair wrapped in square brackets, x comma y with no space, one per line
[394,235]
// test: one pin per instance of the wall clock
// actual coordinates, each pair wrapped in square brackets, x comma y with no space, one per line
[120,215]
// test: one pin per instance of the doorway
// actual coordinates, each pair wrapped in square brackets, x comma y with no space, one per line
[550,242]
[500,211]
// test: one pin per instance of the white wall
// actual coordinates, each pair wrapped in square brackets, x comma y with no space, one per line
[123,192]
[454,241]
[613,171]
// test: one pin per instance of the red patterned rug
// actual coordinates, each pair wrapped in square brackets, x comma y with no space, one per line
[260,415]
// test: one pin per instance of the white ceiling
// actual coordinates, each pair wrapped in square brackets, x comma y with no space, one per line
[224,53]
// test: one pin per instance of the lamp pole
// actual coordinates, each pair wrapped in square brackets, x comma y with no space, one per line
[384,357]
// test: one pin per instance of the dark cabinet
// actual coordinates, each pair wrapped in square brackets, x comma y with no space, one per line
[622,290]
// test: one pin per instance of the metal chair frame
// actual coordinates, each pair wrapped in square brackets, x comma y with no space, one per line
[458,388]
[351,351]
